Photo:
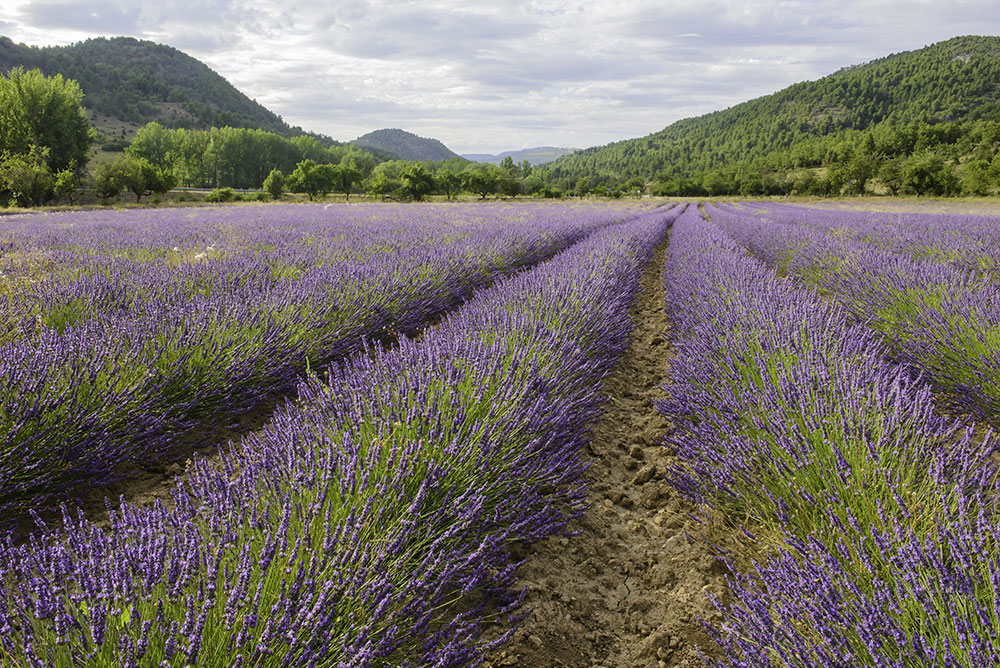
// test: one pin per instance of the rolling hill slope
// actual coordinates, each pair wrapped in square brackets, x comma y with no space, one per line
[134,81]
[405,145]
[952,81]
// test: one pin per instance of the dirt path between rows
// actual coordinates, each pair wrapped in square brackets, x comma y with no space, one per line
[630,588]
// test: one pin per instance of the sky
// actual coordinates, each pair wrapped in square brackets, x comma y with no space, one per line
[503,75]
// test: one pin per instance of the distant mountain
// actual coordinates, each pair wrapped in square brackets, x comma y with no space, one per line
[535,156]
[135,81]
[952,81]
[405,145]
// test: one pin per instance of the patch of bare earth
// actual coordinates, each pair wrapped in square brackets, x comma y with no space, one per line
[630,588]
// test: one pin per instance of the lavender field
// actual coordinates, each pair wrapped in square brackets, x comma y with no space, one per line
[828,392]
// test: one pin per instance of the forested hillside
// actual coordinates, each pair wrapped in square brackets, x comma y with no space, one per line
[405,145]
[936,95]
[138,81]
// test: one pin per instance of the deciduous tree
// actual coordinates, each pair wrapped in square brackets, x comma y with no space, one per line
[45,112]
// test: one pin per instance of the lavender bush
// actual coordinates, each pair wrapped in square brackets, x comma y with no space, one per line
[935,316]
[875,520]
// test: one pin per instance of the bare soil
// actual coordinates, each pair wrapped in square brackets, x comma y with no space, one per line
[630,587]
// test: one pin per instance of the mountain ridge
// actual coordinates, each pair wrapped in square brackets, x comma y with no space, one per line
[953,80]
[536,155]
[405,145]
[138,81]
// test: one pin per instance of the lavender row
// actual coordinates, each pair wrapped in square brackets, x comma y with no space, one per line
[131,344]
[369,523]
[878,517]
[967,242]
[941,319]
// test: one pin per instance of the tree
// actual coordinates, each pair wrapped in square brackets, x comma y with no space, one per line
[347,175]
[928,173]
[44,112]
[481,179]
[25,178]
[131,173]
[378,185]
[67,183]
[106,182]
[448,182]
[386,179]
[533,184]
[976,177]
[274,184]
[155,144]
[417,182]
[860,169]
[312,179]
[891,175]
[141,177]
[510,182]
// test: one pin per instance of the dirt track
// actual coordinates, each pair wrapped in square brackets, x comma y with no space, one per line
[629,589]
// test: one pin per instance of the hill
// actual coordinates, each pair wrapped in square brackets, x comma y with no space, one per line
[950,82]
[129,82]
[538,155]
[405,145]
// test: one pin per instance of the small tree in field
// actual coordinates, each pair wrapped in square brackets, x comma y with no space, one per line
[347,175]
[67,184]
[482,180]
[274,184]
[417,182]
[25,179]
[448,182]
[312,179]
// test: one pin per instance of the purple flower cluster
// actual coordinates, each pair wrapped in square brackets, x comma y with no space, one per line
[877,519]
[936,316]
[122,332]
[370,522]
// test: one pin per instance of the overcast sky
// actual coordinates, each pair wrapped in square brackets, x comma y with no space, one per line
[500,75]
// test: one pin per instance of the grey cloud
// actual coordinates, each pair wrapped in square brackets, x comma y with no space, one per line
[425,33]
[98,17]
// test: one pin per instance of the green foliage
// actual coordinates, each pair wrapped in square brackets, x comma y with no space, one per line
[345,176]
[448,182]
[222,195]
[132,173]
[274,184]
[977,178]
[313,179]
[238,157]
[482,179]
[927,173]
[386,179]
[25,179]
[417,182]
[378,185]
[67,183]
[106,181]
[45,112]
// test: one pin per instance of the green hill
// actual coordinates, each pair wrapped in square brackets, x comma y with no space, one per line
[405,145]
[948,83]
[134,82]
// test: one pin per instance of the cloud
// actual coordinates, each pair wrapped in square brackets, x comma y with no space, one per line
[97,17]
